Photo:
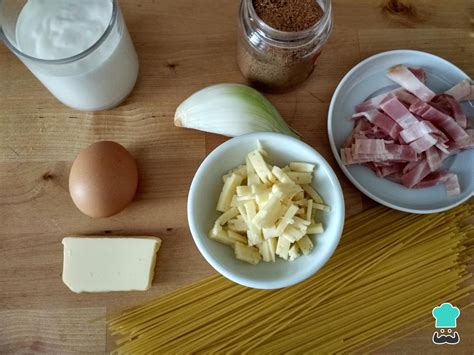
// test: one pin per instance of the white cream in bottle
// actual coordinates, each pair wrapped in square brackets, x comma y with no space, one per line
[86,57]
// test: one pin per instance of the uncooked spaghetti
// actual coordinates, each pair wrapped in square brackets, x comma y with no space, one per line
[389,271]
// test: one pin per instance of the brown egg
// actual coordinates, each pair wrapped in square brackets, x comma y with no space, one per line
[103,179]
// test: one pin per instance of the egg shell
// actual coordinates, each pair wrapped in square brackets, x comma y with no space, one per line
[103,179]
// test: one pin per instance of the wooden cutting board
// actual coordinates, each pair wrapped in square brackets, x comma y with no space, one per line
[183,46]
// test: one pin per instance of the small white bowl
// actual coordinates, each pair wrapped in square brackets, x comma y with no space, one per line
[205,190]
[368,79]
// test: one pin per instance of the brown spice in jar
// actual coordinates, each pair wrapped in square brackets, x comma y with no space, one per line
[288,15]
[283,66]
[275,71]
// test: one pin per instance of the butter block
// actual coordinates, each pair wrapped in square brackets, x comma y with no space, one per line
[100,264]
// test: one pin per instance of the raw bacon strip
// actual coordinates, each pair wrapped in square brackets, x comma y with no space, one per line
[369,115]
[441,103]
[398,112]
[415,175]
[370,158]
[441,120]
[442,138]
[419,73]
[443,147]
[344,159]
[378,150]
[433,179]
[349,158]
[380,168]
[466,144]
[373,103]
[458,114]
[460,90]
[409,166]
[379,119]
[397,178]
[377,133]
[452,185]
[395,168]
[420,129]
[362,125]
[423,143]
[406,97]
[406,79]
[376,169]
[443,155]
[348,155]
[386,124]
[364,159]
[433,158]
[368,146]
[401,152]
[382,164]
[415,131]
[349,140]
[448,105]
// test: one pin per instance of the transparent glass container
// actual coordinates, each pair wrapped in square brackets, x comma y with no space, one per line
[99,77]
[278,61]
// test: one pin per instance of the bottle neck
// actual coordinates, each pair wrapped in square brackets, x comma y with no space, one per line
[258,30]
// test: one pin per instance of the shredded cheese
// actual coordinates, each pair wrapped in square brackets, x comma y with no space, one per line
[268,211]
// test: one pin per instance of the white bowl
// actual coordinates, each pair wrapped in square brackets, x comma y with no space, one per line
[368,79]
[205,190]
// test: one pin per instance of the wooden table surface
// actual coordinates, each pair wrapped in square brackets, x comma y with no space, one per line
[183,46]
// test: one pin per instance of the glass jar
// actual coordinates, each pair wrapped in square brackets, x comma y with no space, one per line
[97,78]
[278,61]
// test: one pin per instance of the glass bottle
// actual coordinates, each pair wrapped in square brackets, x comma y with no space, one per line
[99,77]
[278,61]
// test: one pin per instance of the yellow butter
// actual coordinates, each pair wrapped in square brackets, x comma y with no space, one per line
[109,264]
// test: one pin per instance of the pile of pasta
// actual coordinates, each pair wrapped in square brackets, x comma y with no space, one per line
[386,276]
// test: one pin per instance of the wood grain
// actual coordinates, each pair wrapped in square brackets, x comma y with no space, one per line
[183,46]
[65,331]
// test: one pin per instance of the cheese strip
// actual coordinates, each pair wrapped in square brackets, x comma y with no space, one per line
[226,216]
[252,177]
[109,264]
[227,192]
[281,175]
[267,216]
[312,193]
[309,210]
[302,167]
[300,178]
[293,253]
[247,253]
[260,166]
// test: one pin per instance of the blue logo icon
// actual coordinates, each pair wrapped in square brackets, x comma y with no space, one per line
[446,317]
